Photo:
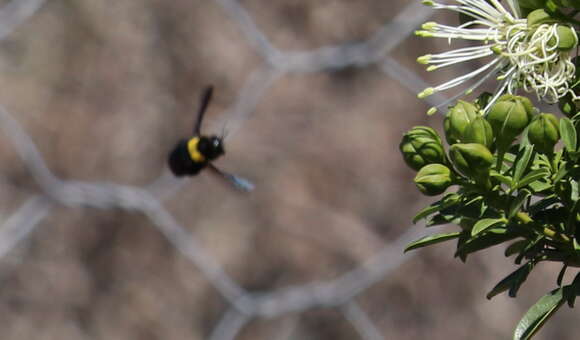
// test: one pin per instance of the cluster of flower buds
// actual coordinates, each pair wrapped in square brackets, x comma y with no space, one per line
[477,141]
[473,160]
[515,183]
[423,151]
[566,37]
[508,118]
[544,133]
[457,120]
[433,179]
[421,146]
[465,124]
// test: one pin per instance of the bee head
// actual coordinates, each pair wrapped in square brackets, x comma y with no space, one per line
[211,147]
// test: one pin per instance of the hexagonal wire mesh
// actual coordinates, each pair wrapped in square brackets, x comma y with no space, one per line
[316,244]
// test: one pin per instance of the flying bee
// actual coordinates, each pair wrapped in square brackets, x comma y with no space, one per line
[196,153]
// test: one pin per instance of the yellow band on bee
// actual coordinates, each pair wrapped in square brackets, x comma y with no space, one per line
[194,153]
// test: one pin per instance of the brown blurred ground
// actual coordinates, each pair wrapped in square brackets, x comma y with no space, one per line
[105,89]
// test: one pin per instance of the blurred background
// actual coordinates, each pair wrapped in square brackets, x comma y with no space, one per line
[315,96]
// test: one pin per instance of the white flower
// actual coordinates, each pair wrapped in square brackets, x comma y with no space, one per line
[522,54]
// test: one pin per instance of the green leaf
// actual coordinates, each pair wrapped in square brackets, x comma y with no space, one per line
[575,194]
[463,238]
[532,245]
[557,157]
[440,219]
[543,204]
[534,175]
[568,133]
[431,239]
[524,140]
[536,316]
[576,282]
[522,162]
[574,155]
[486,223]
[509,157]
[561,275]
[428,210]
[570,224]
[474,208]
[515,247]
[448,201]
[507,180]
[492,237]
[538,186]
[474,200]
[573,292]
[517,202]
[576,245]
[543,161]
[512,282]
[562,171]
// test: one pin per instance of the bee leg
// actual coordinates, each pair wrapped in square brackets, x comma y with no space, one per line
[238,183]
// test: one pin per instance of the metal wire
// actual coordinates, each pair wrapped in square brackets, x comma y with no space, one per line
[244,305]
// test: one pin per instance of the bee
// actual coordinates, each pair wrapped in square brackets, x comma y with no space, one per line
[196,153]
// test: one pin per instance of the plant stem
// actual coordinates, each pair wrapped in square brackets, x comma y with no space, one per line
[523,217]
[556,235]
[499,162]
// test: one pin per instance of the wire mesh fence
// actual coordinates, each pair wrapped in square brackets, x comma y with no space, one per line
[99,92]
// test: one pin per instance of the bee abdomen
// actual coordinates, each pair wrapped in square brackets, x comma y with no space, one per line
[180,161]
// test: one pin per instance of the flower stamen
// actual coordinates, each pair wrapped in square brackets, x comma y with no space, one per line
[525,56]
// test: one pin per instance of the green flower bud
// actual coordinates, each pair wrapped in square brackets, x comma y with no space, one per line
[472,159]
[433,179]
[421,146]
[567,38]
[457,119]
[538,17]
[479,131]
[508,117]
[568,106]
[543,132]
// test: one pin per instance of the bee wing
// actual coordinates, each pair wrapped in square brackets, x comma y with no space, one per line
[238,183]
[205,99]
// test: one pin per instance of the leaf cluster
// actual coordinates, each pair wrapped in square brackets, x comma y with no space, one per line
[530,201]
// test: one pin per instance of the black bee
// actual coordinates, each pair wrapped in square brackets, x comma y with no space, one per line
[192,155]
